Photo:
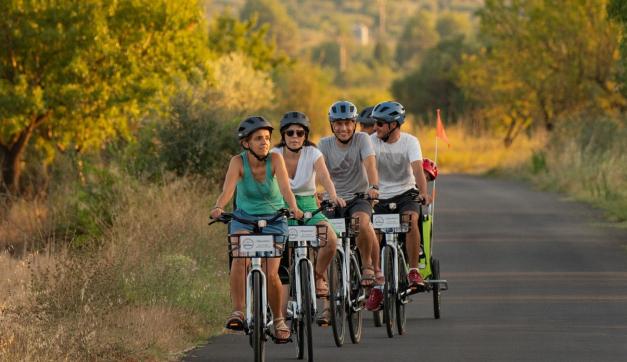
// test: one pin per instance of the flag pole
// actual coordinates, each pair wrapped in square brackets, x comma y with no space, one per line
[433,192]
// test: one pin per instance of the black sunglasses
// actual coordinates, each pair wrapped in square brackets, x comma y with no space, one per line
[380,123]
[292,133]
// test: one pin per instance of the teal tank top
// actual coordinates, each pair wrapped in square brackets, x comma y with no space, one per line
[258,198]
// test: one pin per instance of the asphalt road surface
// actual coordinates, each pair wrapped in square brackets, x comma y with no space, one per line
[532,277]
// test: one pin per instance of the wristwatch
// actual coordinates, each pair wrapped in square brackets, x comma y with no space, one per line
[376,187]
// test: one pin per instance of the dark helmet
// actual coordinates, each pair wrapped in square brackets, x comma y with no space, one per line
[251,124]
[298,118]
[389,112]
[341,110]
[365,117]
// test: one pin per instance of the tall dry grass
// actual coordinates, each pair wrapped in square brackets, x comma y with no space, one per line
[151,285]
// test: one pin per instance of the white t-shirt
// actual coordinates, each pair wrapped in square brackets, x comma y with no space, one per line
[304,181]
[394,164]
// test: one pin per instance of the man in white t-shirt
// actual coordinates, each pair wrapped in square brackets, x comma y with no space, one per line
[399,166]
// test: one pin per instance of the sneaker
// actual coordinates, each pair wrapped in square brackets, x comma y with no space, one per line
[415,279]
[374,300]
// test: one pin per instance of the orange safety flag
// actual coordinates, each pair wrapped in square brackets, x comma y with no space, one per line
[439,132]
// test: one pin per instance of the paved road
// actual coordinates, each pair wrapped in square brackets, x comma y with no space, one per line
[532,277]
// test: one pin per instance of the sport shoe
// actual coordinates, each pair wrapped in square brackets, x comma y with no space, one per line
[374,300]
[415,279]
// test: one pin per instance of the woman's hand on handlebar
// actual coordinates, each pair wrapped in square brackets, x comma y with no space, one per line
[216,212]
[298,213]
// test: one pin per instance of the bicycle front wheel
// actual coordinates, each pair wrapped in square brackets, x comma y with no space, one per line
[389,295]
[306,317]
[259,324]
[337,300]
[403,286]
[354,309]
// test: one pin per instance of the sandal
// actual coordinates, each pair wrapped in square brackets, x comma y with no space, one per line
[324,318]
[281,330]
[322,287]
[367,279]
[235,323]
[379,278]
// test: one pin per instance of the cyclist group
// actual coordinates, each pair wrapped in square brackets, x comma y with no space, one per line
[381,161]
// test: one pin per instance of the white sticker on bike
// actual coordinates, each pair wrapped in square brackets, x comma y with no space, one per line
[250,244]
[302,233]
[386,221]
[339,225]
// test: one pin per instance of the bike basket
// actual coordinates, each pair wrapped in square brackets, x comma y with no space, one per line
[310,236]
[392,223]
[256,245]
[346,227]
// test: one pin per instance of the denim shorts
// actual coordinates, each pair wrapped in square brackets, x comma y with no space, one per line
[278,227]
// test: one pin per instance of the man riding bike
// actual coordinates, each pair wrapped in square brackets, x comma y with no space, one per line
[399,165]
[262,185]
[352,165]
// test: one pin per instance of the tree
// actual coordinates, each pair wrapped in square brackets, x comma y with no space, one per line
[617,10]
[434,84]
[283,28]
[74,74]
[228,35]
[541,61]
[418,35]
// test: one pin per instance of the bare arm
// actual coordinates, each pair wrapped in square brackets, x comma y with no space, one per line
[373,176]
[280,172]
[322,175]
[421,180]
[233,175]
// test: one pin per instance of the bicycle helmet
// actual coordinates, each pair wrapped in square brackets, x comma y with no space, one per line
[365,117]
[389,112]
[251,124]
[430,168]
[342,110]
[298,118]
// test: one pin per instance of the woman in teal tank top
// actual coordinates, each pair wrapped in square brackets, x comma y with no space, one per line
[262,185]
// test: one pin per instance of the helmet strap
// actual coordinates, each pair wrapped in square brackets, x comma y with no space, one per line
[349,139]
[389,133]
[295,150]
[259,158]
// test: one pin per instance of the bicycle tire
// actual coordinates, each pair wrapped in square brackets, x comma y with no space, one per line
[403,285]
[259,324]
[389,296]
[354,317]
[435,289]
[377,318]
[305,289]
[337,302]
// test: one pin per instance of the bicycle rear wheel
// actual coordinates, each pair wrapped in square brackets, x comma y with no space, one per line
[259,324]
[376,318]
[306,315]
[355,321]
[403,285]
[389,296]
[337,300]
[435,289]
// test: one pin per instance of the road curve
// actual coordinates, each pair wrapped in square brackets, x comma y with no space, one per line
[532,277]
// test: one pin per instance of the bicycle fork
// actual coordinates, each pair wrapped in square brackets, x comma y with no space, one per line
[301,257]
[256,268]
[393,246]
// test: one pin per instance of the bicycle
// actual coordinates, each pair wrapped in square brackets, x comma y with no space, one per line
[256,246]
[346,294]
[302,304]
[429,266]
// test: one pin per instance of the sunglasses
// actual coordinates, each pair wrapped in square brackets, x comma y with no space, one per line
[294,133]
[380,123]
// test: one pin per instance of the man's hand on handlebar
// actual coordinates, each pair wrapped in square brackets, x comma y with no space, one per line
[338,201]
[373,193]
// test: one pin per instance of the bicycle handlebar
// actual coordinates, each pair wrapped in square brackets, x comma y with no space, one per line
[226,217]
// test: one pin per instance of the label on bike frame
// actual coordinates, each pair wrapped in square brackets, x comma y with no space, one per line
[302,233]
[385,221]
[339,225]
[251,244]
